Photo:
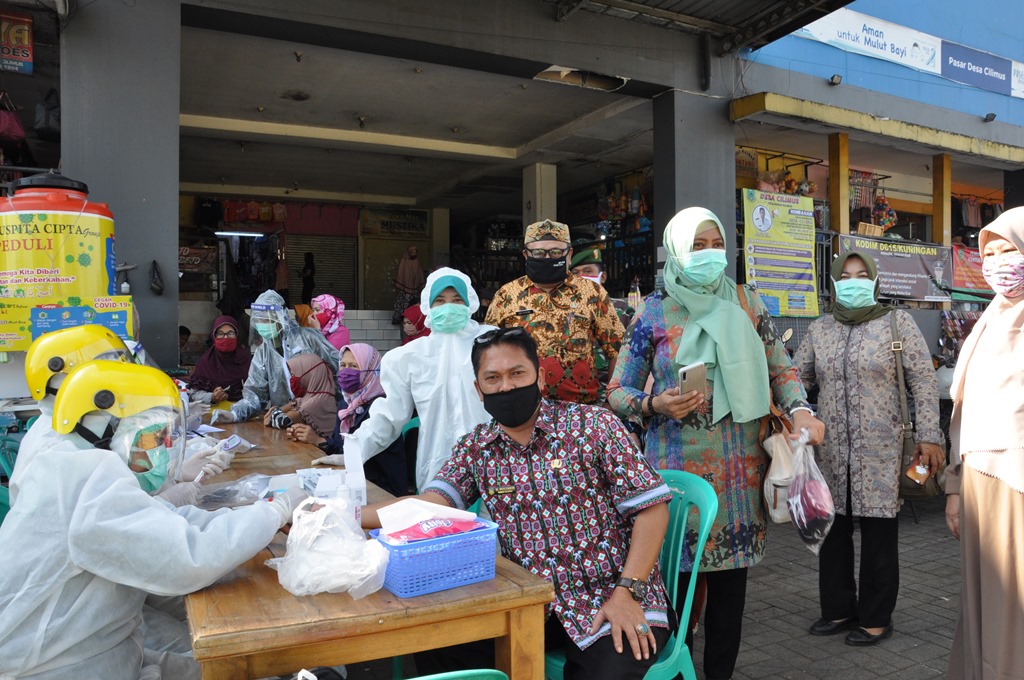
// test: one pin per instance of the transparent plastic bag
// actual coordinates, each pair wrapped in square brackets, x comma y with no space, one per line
[242,491]
[329,553]
[810,501]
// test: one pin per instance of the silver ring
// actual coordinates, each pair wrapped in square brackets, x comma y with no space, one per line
[643,629]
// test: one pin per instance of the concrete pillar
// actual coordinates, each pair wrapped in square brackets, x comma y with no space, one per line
[120,85]
[1013,189]
[839,182]
[540,193]
[942,218]
[440,236]
[694,164]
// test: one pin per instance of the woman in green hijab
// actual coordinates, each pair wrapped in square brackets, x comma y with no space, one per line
[698,316]
[848,355]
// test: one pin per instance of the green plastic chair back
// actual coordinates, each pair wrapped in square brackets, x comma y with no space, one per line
[688,492]
[8,453]
[5,503]
[466,675]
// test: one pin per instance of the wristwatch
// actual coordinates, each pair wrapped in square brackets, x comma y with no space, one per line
[636,587]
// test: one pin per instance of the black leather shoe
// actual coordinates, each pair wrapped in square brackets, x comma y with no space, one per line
[826,627]
[861,638]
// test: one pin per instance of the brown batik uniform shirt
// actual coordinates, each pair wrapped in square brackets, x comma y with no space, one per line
[567,324]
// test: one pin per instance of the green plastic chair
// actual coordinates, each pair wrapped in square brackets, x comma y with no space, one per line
[8,453]
[5,503]
[466,675]
[688,491]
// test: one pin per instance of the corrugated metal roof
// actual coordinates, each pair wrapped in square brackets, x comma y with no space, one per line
[734,24]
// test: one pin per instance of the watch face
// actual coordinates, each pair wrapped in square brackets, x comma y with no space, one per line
[639,590]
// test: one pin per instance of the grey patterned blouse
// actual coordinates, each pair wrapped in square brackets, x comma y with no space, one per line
[859,402]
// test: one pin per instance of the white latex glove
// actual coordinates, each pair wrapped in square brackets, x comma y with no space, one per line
[222,416]
[180,495]
[286,502]
[337,459]
[196,462]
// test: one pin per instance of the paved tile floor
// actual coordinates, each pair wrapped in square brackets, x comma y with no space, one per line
[782,602]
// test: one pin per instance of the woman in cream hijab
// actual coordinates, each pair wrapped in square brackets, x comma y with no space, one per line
[699,316]
[985,480]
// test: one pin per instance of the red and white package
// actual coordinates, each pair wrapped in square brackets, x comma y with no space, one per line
[432,528]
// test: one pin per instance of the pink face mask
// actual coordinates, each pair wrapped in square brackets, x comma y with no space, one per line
[1005,273]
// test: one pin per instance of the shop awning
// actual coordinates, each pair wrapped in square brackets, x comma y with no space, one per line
[777,109]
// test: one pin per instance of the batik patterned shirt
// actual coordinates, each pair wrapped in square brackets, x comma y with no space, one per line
[567,323]
[564,505]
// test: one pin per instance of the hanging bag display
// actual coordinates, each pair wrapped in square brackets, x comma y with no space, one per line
[909,489]
[48,116]
[11,129]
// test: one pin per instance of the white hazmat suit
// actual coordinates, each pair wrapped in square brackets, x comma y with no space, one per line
[267,382]
[434,376]
[84,546]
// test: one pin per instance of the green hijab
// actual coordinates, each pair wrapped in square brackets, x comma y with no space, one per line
[852,317]
[717,331]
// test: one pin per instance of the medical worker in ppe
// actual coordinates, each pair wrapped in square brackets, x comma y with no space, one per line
[47,362]
[275,339]
[86,542]
[432,375]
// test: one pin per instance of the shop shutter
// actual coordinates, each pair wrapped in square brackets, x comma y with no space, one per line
[336,260]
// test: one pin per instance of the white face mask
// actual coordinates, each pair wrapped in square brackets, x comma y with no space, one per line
[595,279]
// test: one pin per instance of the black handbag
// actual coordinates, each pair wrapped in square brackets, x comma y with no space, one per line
[909,489]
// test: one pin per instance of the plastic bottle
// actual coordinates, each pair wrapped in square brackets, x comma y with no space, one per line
[125,288]
[634,298]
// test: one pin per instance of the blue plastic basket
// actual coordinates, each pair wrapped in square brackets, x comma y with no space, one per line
[441,563]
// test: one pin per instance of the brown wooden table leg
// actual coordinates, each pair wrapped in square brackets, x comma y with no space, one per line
[520,654]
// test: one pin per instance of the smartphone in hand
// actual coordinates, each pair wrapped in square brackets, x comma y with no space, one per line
[693,377]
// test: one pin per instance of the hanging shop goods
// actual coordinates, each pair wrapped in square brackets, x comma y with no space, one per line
[882,214]
[57,261]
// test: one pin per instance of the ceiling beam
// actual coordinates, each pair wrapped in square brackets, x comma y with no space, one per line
[566,8]
[593,118]
[683,19]
[235,128]
[292,193]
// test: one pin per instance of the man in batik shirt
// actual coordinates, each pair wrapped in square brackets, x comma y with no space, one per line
[567,315]
[575,502]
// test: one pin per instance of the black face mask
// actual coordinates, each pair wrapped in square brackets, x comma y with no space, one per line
[545,270]
[514,407]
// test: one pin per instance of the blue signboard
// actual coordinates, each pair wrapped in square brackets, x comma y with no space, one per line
[973,67]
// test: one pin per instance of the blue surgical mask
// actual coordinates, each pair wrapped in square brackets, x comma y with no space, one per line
[449,318]
[152,479]
[855,293]
[703,267]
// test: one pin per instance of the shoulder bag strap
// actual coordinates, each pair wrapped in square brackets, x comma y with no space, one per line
[897,352]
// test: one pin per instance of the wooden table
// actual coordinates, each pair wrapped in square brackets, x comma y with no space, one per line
[247,626]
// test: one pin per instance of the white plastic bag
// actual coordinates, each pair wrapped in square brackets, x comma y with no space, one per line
[779,477]
[810,501]
[329,553]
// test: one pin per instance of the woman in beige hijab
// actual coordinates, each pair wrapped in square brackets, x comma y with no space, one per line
[985,481]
